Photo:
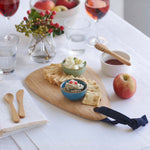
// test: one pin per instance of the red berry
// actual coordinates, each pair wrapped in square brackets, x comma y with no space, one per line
[75,82]
[29,12]
[56,25]
[53,12]
[24,18]
[42,14]
[51,24]
[61,28]
[50,30]
[47,12]
[51,17]
[71,82]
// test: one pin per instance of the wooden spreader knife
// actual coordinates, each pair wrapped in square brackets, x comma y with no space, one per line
[19,96]
[9,98]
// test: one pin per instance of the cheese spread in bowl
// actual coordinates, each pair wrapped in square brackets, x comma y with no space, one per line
[74,89]
[73,86]
[74,66]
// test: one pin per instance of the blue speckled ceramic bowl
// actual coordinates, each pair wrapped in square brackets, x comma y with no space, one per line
[74,72]
[74,96]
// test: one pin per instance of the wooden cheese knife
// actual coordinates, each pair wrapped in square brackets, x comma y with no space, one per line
[19,96]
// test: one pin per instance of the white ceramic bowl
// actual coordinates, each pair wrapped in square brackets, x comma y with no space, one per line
[114,70]
[70,13]
[62,15]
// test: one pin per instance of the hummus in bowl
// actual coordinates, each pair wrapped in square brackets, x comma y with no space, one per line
[74,89]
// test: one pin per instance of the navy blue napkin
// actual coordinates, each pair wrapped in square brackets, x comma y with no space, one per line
[134,123]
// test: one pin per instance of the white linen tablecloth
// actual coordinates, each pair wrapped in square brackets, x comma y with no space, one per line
[67,131]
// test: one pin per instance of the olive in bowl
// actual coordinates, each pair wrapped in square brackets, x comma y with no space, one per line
[74,89]
[73,68]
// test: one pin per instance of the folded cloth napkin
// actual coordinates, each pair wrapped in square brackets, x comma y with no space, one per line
[134,123]
[33,116]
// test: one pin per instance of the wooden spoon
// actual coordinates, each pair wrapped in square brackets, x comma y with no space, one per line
[19,96]
[9,98]
[104,49]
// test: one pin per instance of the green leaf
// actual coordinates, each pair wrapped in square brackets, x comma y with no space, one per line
[58,32]
[34,27]
[34,14]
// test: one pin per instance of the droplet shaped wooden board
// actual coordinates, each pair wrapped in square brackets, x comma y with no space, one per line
[51,93]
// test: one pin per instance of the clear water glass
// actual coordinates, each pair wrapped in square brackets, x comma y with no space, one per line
[8,51]
[77,35]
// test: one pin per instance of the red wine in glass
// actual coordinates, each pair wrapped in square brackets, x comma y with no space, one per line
[8,7]
[96,9]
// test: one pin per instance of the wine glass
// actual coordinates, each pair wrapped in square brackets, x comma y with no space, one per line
[97,9]
[8,8]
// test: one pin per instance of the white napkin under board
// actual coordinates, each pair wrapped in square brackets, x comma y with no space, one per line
[34,117]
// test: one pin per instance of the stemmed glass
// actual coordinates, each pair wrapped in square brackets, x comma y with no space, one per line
[8,8]
[96,9]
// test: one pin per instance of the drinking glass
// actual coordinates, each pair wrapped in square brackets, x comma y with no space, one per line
[96,9]
[8,51]
[8,8]
[76,33]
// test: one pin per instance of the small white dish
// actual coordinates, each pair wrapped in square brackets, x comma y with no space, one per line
[113,70]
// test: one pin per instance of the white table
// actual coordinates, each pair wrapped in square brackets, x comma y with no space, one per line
[67,131]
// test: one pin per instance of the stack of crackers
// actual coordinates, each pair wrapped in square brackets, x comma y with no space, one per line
[55,76]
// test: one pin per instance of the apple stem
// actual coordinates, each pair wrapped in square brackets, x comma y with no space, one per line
[125,77]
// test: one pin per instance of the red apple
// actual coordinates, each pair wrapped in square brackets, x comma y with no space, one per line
[44,4]
[67,3]
[124,85]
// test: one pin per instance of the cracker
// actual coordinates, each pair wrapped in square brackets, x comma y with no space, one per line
[91,98]
[55,75]
[93,94]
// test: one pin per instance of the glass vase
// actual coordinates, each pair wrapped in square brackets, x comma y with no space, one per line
[42,49]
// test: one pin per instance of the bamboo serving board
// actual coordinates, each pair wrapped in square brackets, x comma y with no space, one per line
[51,93]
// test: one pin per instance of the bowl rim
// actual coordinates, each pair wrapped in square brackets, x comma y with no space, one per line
[15,38]
[85,86]
[73,69]
[78,5]
[102,58]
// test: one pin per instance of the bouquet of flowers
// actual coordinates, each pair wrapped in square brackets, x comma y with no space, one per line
[39,23]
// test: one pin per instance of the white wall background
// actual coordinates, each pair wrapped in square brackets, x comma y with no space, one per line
[136,12]
[117,6]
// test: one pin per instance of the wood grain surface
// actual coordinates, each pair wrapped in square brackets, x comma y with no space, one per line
[51,93]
